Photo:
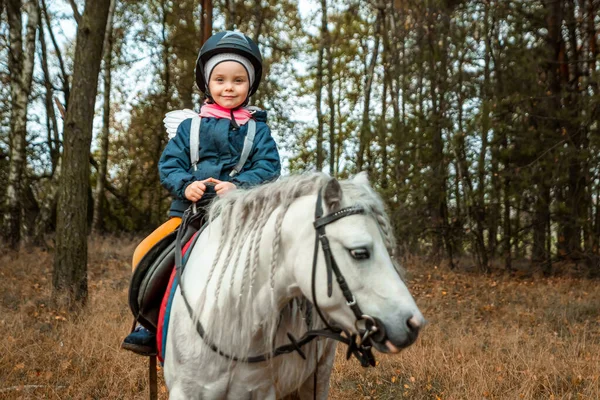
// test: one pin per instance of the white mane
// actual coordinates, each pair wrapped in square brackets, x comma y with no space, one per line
[244,214]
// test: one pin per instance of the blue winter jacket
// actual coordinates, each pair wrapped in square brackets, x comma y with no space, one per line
[220,149]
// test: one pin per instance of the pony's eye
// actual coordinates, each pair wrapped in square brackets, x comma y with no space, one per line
[360,254]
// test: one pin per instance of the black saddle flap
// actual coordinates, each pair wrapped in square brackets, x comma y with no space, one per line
[150,280]
[151,276]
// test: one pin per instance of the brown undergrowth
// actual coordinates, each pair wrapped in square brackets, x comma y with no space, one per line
[488,337]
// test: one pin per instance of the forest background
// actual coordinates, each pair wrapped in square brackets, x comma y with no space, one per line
[476,120]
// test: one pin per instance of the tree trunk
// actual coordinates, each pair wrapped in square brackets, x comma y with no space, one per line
[393,70]
[596,227]
[51,122]
[20,65]
[388,85]
[159,136]
[259,23]
[592,35]
[548,129]
[99,200]
[489,98]
[540,222]
[31,212]
[480,213]
[339,145]
[207,20]
[69,278]
[464,175]
[507,225]
[319,87]
[64,77]
[506,235]
[365,127]
[183,37]
[397,76]
[383,137]
[331,103]
[47,215]
[494,206]
[230,14]
[501,150]
[518,246]
[573,193]
[438,176]
[579,153]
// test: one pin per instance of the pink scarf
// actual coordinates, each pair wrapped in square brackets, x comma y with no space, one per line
[241,115]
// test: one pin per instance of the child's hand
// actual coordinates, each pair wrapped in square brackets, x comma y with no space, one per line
[195,190]
[222,187]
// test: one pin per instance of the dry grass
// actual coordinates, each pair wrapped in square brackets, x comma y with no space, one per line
[48,353]
[495,337]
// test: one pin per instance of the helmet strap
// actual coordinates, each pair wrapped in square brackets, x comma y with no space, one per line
[245,103]
[208,97]
[233,122]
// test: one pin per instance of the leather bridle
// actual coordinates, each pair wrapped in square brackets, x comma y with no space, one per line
[362,350]
[373,329]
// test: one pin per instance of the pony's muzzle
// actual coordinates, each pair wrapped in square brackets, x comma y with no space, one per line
[392,339]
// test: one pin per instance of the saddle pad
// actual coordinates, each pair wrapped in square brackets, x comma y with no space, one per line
[165,307]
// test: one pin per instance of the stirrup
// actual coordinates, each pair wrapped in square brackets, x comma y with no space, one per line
[141,350]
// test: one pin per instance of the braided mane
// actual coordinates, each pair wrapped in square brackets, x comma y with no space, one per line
[243,216]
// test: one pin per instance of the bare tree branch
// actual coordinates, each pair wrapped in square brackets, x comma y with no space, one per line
[60,107]
[64,76]
[76,13]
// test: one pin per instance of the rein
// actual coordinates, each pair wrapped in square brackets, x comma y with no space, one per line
[362,349]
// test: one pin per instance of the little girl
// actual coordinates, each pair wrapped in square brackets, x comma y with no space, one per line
[228,71]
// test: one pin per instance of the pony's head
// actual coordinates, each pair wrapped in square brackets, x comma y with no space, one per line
[362,246]
[264,258]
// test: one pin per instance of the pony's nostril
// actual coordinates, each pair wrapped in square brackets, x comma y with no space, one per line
[414,323]
[380,335]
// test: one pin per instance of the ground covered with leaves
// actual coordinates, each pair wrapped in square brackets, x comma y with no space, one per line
[488,337]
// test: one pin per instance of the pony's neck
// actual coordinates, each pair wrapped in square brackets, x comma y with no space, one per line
[267,296]
[295,229]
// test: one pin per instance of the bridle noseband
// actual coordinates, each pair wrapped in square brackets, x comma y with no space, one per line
[361,349]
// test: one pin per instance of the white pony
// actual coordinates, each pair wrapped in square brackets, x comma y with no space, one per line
[249,283]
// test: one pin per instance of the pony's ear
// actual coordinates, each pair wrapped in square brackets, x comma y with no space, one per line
[361,178]
[332,195]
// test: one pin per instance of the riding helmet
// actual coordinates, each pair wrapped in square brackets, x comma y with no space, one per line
[229,42]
